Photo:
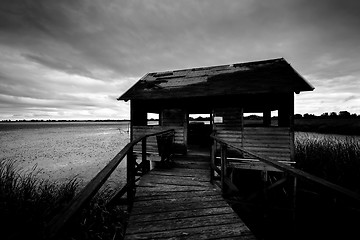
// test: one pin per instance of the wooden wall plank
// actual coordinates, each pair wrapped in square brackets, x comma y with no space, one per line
[272,142]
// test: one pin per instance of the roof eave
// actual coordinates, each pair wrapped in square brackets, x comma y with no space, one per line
[127,95]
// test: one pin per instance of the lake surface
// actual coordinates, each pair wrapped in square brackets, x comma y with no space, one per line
[63,150]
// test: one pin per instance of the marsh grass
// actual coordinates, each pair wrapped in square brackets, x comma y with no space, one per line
[28,203]
[336,159]
[98,220]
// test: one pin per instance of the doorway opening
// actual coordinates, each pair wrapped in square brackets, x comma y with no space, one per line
[199,130]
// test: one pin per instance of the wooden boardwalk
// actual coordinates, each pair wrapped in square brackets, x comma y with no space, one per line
[179,202]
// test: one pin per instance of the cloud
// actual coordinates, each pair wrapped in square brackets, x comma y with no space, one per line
[59,64]
[351,98]
[76,51]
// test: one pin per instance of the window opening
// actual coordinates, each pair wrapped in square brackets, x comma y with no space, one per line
[275,118]
[253,119]
[153,119]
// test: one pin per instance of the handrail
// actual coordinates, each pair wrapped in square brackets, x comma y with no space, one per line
[90,190]
[292,171]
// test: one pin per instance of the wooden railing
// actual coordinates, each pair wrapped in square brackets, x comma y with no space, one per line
[90,190]
[289,170]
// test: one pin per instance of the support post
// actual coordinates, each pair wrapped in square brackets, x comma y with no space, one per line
[294,197]
[130,178]
[264,176]
[212,163]
[294,205]
[145,162]
[223,167]
[267,117]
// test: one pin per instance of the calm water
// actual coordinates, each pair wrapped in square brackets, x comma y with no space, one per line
[62,150]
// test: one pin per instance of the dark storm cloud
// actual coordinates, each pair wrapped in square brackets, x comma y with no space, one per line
[127,36]
[76,48]
[58,34]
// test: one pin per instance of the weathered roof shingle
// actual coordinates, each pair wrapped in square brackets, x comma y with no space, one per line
[269,76]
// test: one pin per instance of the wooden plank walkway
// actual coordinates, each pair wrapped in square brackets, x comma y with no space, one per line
[179,202]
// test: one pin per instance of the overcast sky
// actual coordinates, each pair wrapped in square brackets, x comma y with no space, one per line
[71,59]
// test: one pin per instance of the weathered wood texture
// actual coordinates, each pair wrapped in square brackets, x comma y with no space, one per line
[272,142]
[180,203]
[173,117]
[270,76]
[231,119]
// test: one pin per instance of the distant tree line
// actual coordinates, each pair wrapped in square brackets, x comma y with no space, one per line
[326,115]
[200,118]
[50,120]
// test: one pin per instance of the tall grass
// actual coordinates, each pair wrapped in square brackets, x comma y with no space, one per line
[27,204]
[336,159]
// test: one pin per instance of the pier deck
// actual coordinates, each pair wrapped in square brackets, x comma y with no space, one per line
[179,202]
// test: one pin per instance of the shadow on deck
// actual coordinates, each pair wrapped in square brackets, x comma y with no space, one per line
[179,202]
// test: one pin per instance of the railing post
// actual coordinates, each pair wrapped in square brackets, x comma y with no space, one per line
[293,205]
[223,167]
[212,161]
[294,201]
[145,162]
[130,178]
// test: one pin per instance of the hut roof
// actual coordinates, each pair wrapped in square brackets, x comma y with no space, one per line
[268,76]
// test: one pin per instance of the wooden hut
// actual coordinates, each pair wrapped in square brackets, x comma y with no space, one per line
[226,93]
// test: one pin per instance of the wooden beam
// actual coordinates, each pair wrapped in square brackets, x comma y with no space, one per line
[267,117]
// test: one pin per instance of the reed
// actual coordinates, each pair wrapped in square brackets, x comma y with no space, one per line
[27,203]
[336,159]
